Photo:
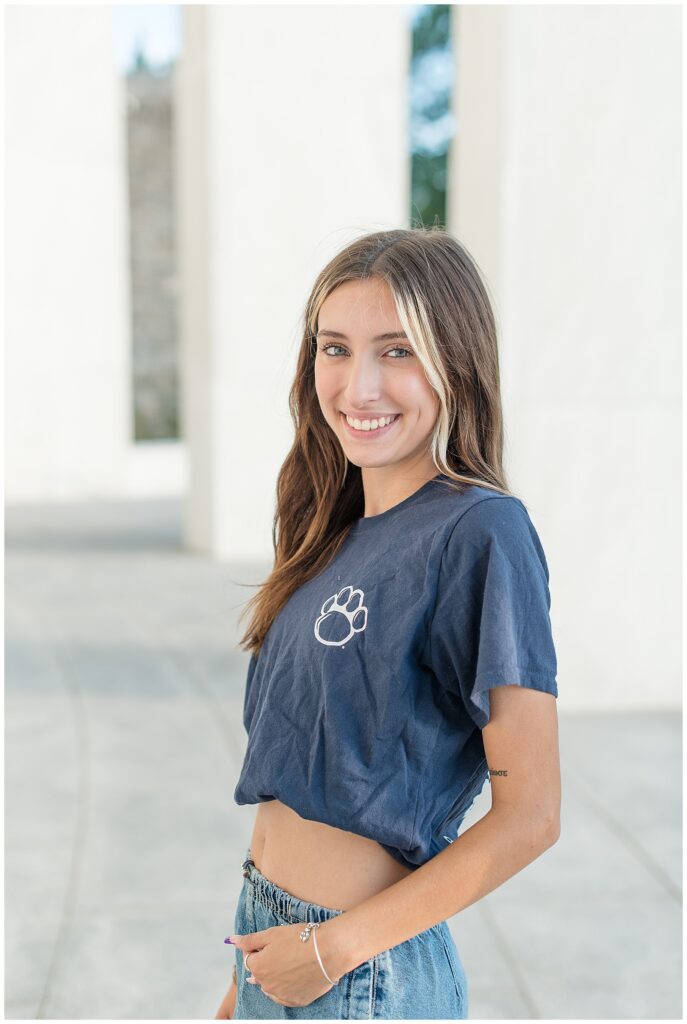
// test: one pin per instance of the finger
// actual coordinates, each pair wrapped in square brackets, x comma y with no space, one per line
[251,959]
[253,940]
[254,981]
[274,999]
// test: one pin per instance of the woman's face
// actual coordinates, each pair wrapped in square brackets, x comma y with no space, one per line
[362,377]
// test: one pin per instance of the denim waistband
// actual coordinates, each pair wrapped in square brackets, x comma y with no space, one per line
[281,902]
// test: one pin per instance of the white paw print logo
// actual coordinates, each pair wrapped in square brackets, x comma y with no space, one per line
[344,614]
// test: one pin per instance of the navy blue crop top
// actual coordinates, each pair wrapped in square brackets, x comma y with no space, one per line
[365,705]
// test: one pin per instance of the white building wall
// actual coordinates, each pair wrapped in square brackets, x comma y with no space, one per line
[566,187]
[67,417]
[293,139]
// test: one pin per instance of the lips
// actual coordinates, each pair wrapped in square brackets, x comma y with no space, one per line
[369,434]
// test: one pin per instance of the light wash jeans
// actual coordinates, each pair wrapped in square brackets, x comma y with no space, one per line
[422,978]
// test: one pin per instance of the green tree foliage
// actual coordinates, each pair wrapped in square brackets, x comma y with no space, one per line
[431,81]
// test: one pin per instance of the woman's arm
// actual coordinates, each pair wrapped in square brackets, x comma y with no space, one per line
[228,1004]
[521,738]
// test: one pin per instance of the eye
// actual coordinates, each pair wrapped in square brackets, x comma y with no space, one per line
[396,348]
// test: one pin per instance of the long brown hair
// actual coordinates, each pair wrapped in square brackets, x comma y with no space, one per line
[443,305]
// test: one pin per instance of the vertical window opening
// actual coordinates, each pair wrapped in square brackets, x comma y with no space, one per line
[148,46]
[431,117]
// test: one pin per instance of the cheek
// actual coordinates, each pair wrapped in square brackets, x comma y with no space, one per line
[320,381]
[325,388]
[423,396]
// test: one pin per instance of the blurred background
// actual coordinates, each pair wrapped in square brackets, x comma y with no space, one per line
[175,178]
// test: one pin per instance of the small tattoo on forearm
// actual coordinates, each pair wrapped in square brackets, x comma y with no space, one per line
[495,771]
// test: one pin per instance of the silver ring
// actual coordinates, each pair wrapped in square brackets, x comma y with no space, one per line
[245,959]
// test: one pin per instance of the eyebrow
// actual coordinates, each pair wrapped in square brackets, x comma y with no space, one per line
[389,336]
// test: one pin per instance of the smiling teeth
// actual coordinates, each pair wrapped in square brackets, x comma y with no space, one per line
[383,421]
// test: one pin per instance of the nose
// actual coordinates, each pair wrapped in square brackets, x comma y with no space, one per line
[363,382]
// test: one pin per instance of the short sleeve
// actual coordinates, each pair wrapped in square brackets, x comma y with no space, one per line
[491,624]
[248,695]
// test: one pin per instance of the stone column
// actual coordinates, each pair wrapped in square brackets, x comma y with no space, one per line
[292,141]
[67,416]
[565,185]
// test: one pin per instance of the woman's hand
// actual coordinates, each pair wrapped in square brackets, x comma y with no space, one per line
[226,1010]
[286,969]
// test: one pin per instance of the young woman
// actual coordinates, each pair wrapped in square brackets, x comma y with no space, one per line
[401,653]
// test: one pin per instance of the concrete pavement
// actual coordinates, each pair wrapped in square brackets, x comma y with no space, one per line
[123,846]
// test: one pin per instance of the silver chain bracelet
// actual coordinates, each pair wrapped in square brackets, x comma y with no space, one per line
[304,936]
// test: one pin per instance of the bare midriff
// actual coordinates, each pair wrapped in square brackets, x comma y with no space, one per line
[318,863]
